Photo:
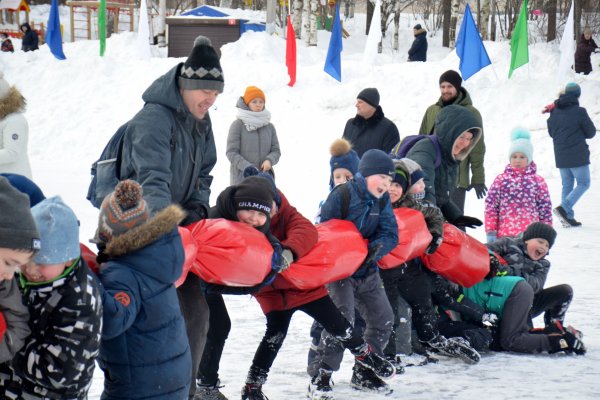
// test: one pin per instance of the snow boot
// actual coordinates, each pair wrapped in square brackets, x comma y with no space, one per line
[365,356]
[455,347]
[209,392]
[566,222]
[566,342]
[365,379]
[401,361]
[253,392]
[320,385]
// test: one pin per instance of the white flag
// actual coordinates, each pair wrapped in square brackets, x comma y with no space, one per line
[143,37]
[374,36]
[567,47]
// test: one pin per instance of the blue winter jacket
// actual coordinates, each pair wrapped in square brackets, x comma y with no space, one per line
[569,125]
[144,350]
[418,50]
[376,225]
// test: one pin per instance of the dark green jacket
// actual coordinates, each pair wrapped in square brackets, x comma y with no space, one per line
[491,294]
[476,157]
[450,124]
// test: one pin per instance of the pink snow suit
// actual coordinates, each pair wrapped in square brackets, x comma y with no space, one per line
[517,198]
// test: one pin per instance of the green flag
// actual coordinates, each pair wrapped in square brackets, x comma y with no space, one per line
[519,43]
[102,26]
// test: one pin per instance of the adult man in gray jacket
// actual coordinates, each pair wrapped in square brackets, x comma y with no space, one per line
[169,149]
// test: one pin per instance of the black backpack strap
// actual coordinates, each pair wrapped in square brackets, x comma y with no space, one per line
[344,199]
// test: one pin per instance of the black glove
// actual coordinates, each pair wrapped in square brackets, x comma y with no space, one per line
[480,189]
[194,215]
[468,222]
[496,267]
[436,241]
[371,255]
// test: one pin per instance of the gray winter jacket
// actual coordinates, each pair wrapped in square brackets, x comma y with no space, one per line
[168,151]
[450,123]
[16,317]
[246,147]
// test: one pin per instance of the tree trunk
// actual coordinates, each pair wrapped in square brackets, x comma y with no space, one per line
[311,11]
[271,16]
[551,11]
[162,17]
[299,18]
[485,18]
[370,11]
[494,12]
[453,21]
[446,10]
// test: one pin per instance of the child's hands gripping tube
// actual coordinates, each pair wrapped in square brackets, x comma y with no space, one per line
[436,241]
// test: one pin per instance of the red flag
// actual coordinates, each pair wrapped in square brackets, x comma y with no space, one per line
[290,52]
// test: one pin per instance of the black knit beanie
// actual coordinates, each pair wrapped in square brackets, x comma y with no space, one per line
[202,69]
[17,227]
[375,162]
[452,77]
[540,230]
[401,179]
[369,96]
[254,193]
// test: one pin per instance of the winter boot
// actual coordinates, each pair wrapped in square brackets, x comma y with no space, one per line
[566,342]
[561,214]
[365,379]
[456,347]
[209,392]
[365,356]
[320,385]
[253,392]
[400,361]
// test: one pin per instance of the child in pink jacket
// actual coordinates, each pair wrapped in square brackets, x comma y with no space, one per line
[518,196]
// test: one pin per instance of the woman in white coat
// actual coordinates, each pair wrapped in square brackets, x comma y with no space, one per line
[14,131]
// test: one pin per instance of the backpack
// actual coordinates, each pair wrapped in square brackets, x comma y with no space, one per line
[106,171]
[401,149]
[345,200]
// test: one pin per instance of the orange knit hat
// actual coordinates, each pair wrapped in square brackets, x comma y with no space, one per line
[251,93]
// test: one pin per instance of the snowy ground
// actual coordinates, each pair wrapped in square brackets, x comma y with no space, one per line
[74,106]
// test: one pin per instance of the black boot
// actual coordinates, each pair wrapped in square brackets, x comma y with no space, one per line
[366,380]
[320,386]
[253,391]
[455,347]
[566,342]
[369,359]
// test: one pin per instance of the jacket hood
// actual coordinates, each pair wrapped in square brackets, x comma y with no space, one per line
[164,91]
[450,123]
[240,104]
[12,103]
[531,169]
[567,100]
[26,26]
[420,32]
[463,98]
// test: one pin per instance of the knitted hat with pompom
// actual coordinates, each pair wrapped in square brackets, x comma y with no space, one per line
[521,143]
[122,210]
[342,156]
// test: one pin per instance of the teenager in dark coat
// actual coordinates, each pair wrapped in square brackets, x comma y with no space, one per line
[30,38]
[583,53]
[418,50]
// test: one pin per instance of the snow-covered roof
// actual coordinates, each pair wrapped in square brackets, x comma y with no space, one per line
[20,5]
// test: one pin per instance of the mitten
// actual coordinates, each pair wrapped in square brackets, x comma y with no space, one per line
[480,189]
[496,267]
[2,326]
[250,170]
[468,222]
[194,215]
[280,261]
[491,236]
[489,319]
[436,241]
[371,255]
[548,108]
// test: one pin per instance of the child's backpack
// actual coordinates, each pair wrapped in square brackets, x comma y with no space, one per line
[345,199]
[106,171]
[401,149]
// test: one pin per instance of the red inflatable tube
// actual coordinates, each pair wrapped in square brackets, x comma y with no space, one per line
[461,258]
[338,253]
[190,249]
[230,253]
[89,257]
[413,238]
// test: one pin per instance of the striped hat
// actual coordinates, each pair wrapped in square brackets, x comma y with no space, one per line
[122,210]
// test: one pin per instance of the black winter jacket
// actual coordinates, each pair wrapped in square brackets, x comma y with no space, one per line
[377,132]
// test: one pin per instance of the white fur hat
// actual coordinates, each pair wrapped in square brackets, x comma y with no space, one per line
[4,86]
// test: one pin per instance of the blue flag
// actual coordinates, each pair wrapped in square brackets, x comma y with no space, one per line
[469,47]
[53,35]
[333,61]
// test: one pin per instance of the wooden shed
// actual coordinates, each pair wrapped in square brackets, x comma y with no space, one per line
[208,21]
[10,11]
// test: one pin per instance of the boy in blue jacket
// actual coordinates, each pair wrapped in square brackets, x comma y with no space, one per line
[144,351]
[364,201]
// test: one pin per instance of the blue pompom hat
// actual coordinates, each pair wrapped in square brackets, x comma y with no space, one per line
[59,231]
[521,143]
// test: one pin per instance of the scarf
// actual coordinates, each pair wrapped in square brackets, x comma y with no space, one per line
[254,120]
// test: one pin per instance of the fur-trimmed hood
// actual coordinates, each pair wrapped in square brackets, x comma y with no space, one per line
[160,224]
[14,102]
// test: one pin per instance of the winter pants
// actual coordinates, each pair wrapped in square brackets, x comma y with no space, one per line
[400,338]
[218,331]
[571,195]
[514,326]
[195,313]
[323,311]
[553,302]
[368,296]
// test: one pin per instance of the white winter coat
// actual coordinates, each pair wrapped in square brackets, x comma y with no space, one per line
[14,133]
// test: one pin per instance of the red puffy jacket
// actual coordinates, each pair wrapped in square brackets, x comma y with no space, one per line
[299,235]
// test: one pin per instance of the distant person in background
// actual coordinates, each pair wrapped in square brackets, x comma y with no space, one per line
[569,126]
[14,131]
[418,50]
[7,45]
[30,38]
[252,141]
[370,129]
[585,48]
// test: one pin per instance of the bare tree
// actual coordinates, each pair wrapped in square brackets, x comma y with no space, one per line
[485,18]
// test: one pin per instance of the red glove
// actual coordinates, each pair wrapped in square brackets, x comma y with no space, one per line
[2,326]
